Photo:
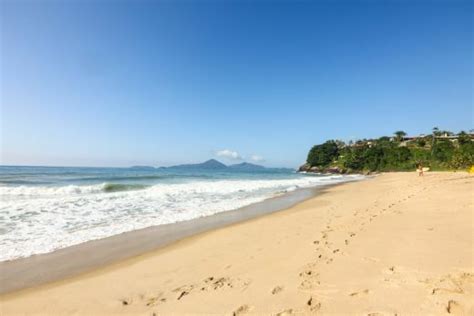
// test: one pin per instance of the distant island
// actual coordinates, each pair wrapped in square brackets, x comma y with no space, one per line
[244,166]
[210,164]
[142,167]
[213,164]
[439,150]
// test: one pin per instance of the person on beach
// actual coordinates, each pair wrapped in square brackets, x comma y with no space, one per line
[420,170]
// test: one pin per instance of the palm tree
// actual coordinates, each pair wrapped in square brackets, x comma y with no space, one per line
[399,135]
[435,133]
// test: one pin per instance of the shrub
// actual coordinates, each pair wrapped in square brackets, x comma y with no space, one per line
[322,155]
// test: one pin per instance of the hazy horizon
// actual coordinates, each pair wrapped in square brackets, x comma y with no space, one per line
[139,165]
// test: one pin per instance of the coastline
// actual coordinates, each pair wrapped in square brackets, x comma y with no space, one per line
[36,270]
[396,243]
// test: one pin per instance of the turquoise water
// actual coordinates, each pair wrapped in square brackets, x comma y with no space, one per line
[47,208]
[57,176]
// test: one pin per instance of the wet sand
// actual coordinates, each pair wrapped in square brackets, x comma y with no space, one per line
[71,261]
[394,244]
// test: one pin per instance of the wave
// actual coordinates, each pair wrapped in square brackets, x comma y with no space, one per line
[117,187]
[58,179]
[41,219]
[68,190]
[216,186]
[120,178]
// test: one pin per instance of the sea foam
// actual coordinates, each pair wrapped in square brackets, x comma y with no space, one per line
[41,219]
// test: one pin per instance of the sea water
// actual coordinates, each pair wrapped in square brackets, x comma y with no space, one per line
[47,208]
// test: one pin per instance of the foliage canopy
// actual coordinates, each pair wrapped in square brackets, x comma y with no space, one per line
[437,151]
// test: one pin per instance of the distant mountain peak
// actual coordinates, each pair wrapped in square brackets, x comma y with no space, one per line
[213,162]
[246,165]
[142,167]
[208,164]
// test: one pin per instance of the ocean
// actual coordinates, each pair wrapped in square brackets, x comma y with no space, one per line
[47,208]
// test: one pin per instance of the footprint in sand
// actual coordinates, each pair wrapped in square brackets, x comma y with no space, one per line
[310,278]
[454,308]
[151,301]
[313,306]
[184,293]
[241,310]
[126,301]
[211,283]
[456,284]
[364,292]
[286,312]
[277,289]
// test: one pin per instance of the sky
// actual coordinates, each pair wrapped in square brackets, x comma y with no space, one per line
[120,83]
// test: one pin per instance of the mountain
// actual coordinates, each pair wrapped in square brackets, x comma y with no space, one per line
[210,164]
[145,168]
[245,166]
[213,164]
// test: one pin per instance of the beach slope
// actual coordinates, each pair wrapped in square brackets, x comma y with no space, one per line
[393,244]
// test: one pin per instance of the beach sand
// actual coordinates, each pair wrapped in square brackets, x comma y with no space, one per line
[393,244]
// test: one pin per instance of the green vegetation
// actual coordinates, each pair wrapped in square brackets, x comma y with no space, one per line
[324,154]
[441,150]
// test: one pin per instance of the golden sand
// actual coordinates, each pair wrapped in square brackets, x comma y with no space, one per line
[395,244]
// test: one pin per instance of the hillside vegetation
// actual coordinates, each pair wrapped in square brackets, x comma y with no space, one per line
[440,150]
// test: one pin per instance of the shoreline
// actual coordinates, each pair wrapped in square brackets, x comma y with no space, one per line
[394,244]
[23,273]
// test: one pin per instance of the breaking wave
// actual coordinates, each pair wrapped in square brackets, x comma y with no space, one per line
[40,219]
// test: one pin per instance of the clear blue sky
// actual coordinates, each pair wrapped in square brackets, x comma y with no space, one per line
[109,83]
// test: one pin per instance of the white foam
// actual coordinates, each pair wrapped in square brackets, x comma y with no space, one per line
[36,220]
[51,191]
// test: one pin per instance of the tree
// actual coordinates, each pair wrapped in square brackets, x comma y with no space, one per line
[399,135]
[433,140]
[354,159]
[382,154]
[421,142]
[322,155]
[443,151]
[340,144]
[373,157]
[462,159]
[463,138]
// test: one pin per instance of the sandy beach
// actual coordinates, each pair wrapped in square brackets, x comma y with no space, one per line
[395,244]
